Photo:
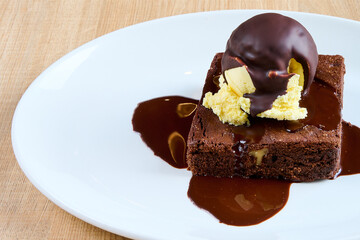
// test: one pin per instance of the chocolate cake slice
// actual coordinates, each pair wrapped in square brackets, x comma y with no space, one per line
[304,150]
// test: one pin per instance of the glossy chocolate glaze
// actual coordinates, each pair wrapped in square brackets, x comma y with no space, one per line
[324,108]
[324,112]
[163,124]
[265,44]
[244,135]
[350,149]
[239,201]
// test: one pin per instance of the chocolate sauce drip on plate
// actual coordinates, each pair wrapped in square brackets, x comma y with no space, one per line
[239,201]
[164,124]
[350,149]
[265,44]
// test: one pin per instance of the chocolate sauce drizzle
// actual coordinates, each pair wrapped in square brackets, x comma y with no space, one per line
[244,135]
[323,105]
[163,124]
[265,44]
[239,201]
[350,149]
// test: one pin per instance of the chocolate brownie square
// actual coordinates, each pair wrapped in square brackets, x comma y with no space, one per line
[305,150]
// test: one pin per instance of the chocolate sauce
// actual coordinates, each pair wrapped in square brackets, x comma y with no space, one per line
[163,124]
[244,135]
[350,149]
[239,201]
[323,106]
[265,44]
[324,110]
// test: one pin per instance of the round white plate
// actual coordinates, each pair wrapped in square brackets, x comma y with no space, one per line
[72,133]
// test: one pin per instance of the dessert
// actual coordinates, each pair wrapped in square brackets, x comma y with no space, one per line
[299,136]
[263,129]
[298,139]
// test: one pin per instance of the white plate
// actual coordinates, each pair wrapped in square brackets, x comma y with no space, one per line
[72,133]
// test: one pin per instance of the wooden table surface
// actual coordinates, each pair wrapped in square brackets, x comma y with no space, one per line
[34,34]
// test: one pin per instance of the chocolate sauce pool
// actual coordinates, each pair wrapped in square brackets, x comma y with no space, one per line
[163,124]
[239,201]
[350,149]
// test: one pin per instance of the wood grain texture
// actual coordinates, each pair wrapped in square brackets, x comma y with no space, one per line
[33,35]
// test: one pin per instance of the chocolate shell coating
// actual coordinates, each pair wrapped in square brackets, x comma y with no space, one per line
[265,44]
